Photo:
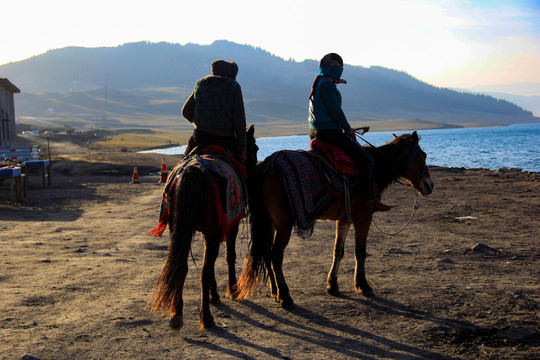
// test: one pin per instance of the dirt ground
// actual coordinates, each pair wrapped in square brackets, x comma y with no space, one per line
[462,281]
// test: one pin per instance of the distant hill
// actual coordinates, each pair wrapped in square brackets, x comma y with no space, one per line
[140,84]
[529,102]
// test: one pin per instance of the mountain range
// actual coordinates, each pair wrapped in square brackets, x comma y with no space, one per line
[143,85]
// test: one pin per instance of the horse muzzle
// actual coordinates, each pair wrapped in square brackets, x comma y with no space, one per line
[426,187]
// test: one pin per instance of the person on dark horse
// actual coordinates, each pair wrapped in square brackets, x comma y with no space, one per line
[327,122]
[216,110]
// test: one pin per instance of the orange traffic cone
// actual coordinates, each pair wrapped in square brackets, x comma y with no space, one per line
[164,173]
[135,178]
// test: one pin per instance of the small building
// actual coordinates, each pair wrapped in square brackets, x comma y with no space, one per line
[7,113]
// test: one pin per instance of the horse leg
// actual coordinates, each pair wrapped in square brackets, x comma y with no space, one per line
[231,262]
[269,241]
[176,313]
[273,285]
[283,236]
[175,272]
[211,250]
[214,297]
[361,229]
[342,229]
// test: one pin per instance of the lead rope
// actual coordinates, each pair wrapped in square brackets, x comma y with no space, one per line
[358,133]
[415,207]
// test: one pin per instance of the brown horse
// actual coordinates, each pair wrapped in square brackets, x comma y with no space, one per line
[193,208]
[272,223]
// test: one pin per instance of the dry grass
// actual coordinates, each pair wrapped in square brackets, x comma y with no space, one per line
[134,142]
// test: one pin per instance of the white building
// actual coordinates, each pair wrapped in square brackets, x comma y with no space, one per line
[7,113]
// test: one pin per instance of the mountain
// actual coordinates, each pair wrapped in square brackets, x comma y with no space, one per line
[529,102]
[145,84]
[517,88]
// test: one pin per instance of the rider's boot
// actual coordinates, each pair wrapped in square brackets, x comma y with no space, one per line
[375,205]
[372,204]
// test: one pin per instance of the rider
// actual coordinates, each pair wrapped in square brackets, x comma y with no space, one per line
[216,110]
[328,123]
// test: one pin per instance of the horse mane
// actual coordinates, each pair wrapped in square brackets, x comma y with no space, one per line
[387,158]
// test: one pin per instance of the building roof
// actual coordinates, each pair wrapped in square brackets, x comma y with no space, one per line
[6,84]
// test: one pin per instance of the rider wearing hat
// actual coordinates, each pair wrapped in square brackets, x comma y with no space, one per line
[328,123]
[216,110]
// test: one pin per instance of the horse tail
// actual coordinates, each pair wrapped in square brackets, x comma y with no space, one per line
[254,274]
[182,222]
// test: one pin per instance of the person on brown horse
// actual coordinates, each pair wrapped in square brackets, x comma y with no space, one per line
[216,110]
[327,122]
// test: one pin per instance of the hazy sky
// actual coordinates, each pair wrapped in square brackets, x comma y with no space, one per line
[445,43]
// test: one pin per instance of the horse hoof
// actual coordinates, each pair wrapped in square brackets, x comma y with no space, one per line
[216,301]
[333,290]
[233,295]
[207,323]
[368,293]
[176,322]
[287,304]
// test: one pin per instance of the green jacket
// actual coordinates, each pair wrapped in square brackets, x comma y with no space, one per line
[325,111]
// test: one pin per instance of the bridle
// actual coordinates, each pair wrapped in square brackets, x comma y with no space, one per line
[416,152]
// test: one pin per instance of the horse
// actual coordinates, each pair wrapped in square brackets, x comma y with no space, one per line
[193,208]
[272,222]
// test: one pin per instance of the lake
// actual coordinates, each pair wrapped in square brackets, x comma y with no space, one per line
[495,147]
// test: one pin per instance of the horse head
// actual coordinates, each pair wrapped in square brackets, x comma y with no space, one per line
[251,149]
[412,163]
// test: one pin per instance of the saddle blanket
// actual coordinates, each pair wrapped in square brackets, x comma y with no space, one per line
[306,189]
[230,205]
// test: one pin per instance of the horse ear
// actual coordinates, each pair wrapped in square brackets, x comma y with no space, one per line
[251,130]
[395,136]
[415,137]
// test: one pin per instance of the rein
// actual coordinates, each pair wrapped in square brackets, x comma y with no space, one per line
[359,133]
[415,207]
[416,152]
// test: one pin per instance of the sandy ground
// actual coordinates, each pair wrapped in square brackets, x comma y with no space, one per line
[462,281]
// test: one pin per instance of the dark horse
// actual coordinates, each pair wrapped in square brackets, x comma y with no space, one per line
[193,208]
[272,223]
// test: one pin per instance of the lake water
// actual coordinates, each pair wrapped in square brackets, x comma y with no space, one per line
[515,146]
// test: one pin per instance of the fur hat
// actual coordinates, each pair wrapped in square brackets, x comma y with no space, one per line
[225,68]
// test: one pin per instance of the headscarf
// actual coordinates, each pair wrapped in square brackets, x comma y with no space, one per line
[328,68]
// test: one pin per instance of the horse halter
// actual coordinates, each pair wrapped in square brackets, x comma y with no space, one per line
[416,152]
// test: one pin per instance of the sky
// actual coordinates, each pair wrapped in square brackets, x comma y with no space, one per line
[455,44]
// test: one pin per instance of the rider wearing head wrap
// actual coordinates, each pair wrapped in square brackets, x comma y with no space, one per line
[328,122]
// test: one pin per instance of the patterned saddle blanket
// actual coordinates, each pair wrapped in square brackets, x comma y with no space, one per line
[230,204]
[310,183]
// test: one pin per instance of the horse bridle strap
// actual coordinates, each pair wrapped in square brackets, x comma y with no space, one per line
[416,152]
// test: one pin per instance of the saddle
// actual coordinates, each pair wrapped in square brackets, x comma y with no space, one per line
[337,157]
[338,169]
